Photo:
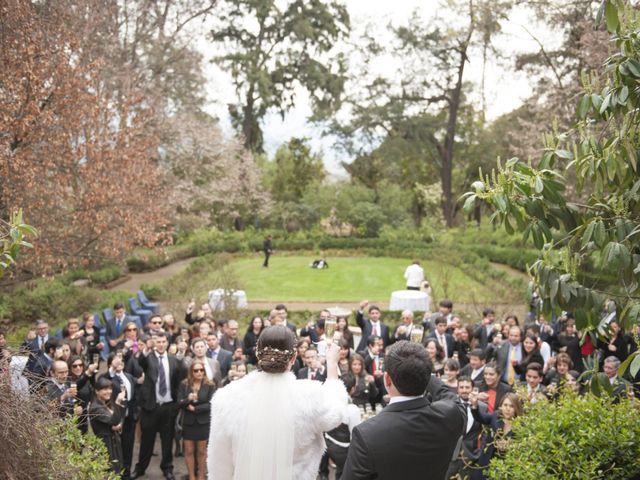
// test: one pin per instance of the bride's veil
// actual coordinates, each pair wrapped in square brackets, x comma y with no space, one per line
[265,449]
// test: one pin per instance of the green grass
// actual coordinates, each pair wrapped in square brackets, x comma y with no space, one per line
[348,279]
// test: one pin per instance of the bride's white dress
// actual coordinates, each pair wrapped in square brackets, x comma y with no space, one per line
[270,427]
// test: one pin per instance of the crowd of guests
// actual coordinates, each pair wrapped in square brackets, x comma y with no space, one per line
[159,381]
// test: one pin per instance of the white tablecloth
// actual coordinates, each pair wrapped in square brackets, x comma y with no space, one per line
[410,300]
[216,298]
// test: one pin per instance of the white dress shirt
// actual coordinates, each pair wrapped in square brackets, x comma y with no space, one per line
[414,274]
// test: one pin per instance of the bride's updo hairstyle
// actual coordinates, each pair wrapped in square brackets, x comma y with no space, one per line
[275,349]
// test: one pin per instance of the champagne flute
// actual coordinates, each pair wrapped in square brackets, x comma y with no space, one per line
[416,334]
[96,358]
[330,328]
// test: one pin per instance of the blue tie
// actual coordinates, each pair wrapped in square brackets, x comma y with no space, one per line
[162,378]
[118,326]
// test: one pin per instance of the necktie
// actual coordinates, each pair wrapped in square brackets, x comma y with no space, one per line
[313,374]
[118,326]
[41,343]
[162,377]
[470,419]
[376,330]
[511,372]
[214,355]
[443,344]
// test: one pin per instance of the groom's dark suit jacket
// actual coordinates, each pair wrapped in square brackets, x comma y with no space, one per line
[408,440]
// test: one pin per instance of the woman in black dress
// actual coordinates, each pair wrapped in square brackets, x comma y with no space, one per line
[251,338]
[106,420]
[194,398]
[83,380]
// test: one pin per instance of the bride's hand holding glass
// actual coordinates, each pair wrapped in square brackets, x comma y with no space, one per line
[331,355]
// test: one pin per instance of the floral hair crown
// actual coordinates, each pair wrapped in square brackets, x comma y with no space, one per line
[274,353]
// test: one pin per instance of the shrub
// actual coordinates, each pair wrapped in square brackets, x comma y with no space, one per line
[576,438]
[36,443]
[105,275]
[51,300]
[151,290]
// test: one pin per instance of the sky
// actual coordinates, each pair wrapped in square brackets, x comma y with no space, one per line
[505,88]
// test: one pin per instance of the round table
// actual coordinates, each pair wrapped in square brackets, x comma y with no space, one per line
[217,297]
[413,300]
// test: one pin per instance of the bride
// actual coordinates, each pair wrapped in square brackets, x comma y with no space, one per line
[270,425]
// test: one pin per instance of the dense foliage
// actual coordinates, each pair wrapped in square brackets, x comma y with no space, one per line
[575,438]
[594,229]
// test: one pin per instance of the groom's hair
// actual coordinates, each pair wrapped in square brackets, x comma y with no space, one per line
[409,367]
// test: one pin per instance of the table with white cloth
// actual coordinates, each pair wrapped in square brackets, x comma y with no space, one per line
[217,298]
[413,300]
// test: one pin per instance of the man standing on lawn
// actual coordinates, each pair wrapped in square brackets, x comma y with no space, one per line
[266,248]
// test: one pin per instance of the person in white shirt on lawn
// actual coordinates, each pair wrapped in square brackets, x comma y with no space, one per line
[414,274]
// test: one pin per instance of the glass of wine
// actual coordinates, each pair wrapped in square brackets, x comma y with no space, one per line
[96,358]
[330,328]
[416,334]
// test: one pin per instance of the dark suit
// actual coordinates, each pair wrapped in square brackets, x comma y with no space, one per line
[292,327]
[448,339]
[154,417]
[470,450]
[303,374]
[111,332]
[484,334]
[467,371]
[224,359]
[198,420]
[367,329]
[230,344]
[266,248]
[130,417]
[502,359]
[408,440]
[54,394]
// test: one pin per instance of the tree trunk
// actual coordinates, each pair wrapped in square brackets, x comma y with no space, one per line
[448,209]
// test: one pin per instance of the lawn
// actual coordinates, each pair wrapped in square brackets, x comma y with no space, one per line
[348,279]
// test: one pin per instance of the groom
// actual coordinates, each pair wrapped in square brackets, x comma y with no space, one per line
[413,437]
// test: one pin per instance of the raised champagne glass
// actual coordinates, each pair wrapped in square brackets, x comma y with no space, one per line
[416,334]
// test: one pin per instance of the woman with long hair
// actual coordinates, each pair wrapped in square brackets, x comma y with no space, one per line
[364,391]
[495,442]
[344,356]
[91,335]
[342,326]
[301,347]
[436,355]
[194,398]
[83,380]
[530,354]
[270,425]
[106,420]
[251,338]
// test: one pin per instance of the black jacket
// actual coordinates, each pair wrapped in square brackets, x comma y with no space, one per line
[409,440]
[150,364]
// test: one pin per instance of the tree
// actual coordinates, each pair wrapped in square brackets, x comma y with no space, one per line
[295,169]
[589,247]
[272,51]
[433,58]
[213,178]
[82,171]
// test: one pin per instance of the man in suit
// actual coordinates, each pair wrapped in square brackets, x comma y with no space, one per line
[314,369]
[404,328]
[485,331]
[266,248]
[371,325]
[441,336]
[509,355]
[533,391]
[445,309]
[42,364]
[34,342]
[412,433]
[475,368]
[158,396]
[60,393]
[230,341]
[216,352]
[120,379]
[620,385]
[283,314]
[115,326]
[470,446]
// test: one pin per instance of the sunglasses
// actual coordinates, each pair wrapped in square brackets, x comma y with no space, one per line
[77,365]
[156,323]
[132,329]
[196,370]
